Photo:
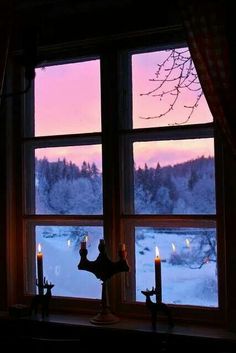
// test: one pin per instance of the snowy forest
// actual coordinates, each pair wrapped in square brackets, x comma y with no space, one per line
[189,255]
[62,187]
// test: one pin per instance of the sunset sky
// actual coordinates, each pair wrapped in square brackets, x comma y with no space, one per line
[67,101]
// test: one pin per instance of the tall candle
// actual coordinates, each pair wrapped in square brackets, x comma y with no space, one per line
[158,276]
[40,269]
[83,244]
[173,248]
[187,243]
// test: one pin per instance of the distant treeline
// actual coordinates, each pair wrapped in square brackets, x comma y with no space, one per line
[66,188]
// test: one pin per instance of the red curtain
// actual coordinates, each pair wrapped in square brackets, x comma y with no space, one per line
[206,24]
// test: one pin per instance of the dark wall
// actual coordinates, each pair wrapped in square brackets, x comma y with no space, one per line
[2,208]
[58,21]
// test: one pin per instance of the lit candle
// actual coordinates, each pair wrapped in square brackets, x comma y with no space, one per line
[187,243]
[158,276]
[68,243]
[83,243]
[40,269]
[173,247]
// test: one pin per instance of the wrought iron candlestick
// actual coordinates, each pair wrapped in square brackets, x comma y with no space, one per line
[103,268]
[42,300]
[156,307]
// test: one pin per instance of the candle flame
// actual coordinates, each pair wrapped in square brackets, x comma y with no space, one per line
[187,243]
[86,238]
[157,252]
[39,248]
[68,243]
[173,247]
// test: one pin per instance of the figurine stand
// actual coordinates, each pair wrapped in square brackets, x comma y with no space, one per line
[42,300]
[154,308]
[103,268]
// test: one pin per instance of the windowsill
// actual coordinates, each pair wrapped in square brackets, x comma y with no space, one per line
[145,326]
[131,326]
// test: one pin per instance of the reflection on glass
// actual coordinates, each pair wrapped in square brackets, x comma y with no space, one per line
[174,177]
[153,98]
[68,180]
[60,247]
[189,268]
[67,99]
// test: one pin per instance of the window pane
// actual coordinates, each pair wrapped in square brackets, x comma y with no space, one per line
[156,100]
[60,248]
[67,99]
[188,264]
[68,180]
[174,177]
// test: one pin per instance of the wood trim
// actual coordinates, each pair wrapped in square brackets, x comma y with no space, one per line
[114,220]
[63,218]
[205,220]
[170,132]
[63,140]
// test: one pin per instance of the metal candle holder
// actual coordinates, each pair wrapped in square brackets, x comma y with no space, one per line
[154,308]
[42,300]
[103,268]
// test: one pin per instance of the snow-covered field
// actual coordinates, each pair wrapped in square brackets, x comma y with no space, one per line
[180,283]
[60,261]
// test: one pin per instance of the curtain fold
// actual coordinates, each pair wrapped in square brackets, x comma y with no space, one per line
[209,41]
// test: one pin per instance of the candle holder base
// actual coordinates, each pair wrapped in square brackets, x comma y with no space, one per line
[103,268]
[105,317]
[42,300]
[154,308]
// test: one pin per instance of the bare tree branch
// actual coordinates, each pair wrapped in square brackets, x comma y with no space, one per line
[175,76]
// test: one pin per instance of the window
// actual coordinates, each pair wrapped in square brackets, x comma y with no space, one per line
[129,157]
[169,193]
[63,158]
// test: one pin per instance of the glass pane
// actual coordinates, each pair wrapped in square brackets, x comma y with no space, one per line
[188,264]
[60,248]
[174,177]
[67,99]
[166,90]
[68,180]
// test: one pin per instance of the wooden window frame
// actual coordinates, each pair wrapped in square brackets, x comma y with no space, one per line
[30,219]
[115,136]
[129,219]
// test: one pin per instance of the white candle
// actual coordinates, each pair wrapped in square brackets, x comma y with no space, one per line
[158,276]
[187,243]
[173,247]
[40,269]
[83,243]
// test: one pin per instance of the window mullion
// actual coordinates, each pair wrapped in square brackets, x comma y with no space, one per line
[109,98]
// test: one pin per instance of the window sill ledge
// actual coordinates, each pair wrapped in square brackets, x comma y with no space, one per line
[72,327]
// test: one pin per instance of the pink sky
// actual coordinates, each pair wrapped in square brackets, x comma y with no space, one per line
[67,101]
[144,67]
[76,154]
[171,152]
